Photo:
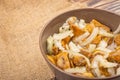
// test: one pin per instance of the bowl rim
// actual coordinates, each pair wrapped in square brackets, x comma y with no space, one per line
[54,66]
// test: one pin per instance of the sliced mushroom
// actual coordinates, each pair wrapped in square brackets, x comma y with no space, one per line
[98,24]
[104,71]
[52,58]
[65,41]
[76,30]
[86,53]
[117,39]
[71,20]
[114,56]
[89,27]
[63,61]
[55,50]
[71,63]
[97,39]
[79,61]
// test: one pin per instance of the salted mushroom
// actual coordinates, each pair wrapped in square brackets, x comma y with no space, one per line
[97,39]
[62,60]
[104,71]
[76,30]
[52,58]
[98,24]
[78,61]
[86,53]
[117,39]
[114,56]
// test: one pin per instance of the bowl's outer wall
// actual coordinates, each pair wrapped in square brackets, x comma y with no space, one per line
[104,17]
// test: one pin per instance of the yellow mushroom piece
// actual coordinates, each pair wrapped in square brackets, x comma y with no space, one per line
[76,30]
[89,27]
[104,71]
[88,74]
[51,58]
[79,61]
[98,24]
[114,56]
[117,39]
[97,39]
[65,41]
[62,60]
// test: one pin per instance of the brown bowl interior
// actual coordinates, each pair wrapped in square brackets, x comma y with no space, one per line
[110,19]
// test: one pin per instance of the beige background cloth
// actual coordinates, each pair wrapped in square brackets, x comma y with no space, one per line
[20,24]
